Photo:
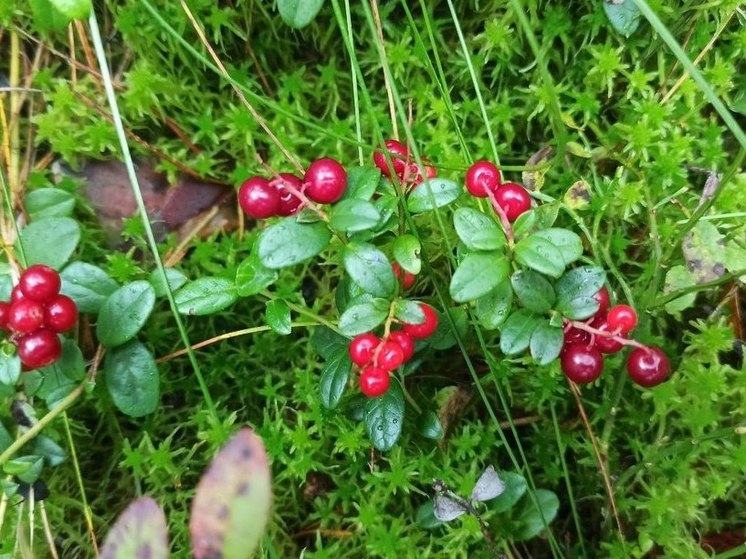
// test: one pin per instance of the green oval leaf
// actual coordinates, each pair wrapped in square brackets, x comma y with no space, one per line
[277,316]
[56,381]
[25,468]
[252,276]
[546,343]
[477,231]
[334,377]
[370,269]
[432,194]
[568,243]
[232,503]
[575,291]
[74,9]
[515,488]
[132,379]
[174,277]
[409,311]
[362,182]
[517,330]
[140,531]
[384,417]
[49,241]
[10,369]
[326,341]
[406,251]
[678,277]
[492,309]
[529,519]
[124,313]
[48,202]
[299,13]
[541,255]
[52,453]
[288,242]
[429,425]
[477,275]
[533,290]
[364,317]
[353,215]
[89,286]
[206,295]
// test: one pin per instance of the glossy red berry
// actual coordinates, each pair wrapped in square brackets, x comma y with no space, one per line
[325,181]
[430,172]
[602,296]
[576,336]
[622,318]
[390,356]
[40,283]
[289,203]
[362,348]
[406,279]
[648,366]
[581,363]
[16,295]
[398,153]
[482,177]
[374,381]
[427,328]
[4,315]
[605,344]
[60,314]
[39,349]
[258,198]
[26,316]
[405,343]
[513,199]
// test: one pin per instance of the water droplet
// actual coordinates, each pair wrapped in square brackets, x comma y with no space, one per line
[379,428]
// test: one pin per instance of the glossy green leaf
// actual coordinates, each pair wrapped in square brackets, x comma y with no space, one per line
[432,194]
[428,425]
[288,242]
[47,17]
[533,290]
[409,312]
[10,368]
[25,468]
[364,317]
[444,337]
[678,277]
[253,277]
[139,532]
[529,522]
[89,286]
[207,295]
[5,438]
[353,215]
[515,488]
[370,269]
[299,13]
[477,231]
[49,241]
[74,9]
[334,377]
[406,251]
[124,313]
[477,275]
[277,316]
[517,331]
[546,343]
[52,453]
[541,217]
[326,341]
[541,255]
[362,182]
[56,381]
[232,504]
[48,202]
[132,379]
[568,243]
[176,279]
[575,291]
[384,418]
[492,309]
[425,516]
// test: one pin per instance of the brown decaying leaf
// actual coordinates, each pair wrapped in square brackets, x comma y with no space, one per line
[533,180]
[452,407]
[140,532]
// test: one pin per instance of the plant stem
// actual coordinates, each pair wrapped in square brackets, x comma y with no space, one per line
[503,218]
[603,334]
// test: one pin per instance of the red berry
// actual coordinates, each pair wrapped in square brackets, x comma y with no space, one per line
[398,153]
[362,348]
[648,366]
[581,363]
[576,336]
[602,296]
[258,198]
[16,295]
[390,356]
[427,328]
[4,315]
[405,343]
[513,199]
[40,283]
[605,344]
[622,318]
[61,314]
[289,203]
[406,279]
[26,316]
[430,172]
[374,381]
[39,349]
[481,178]
[325,181]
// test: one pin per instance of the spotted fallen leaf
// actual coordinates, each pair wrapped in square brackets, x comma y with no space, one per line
[578,195]
[704,252]
[140,532]
[534,180]
[232,503]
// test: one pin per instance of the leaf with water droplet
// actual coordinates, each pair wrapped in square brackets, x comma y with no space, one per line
[384,417]
[140,532]
[124,313]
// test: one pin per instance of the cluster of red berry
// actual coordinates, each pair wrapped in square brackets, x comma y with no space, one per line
[378,357]
[284,195]
[605,333]
[35,314]
[484,180]
[407,170]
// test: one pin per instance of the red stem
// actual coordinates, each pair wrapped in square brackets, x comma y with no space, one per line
[604,334]
[503,217]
